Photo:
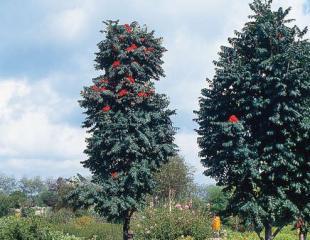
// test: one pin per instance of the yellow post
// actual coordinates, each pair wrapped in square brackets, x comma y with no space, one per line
[216,225]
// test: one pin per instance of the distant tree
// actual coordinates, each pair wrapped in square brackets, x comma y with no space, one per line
[84,193]
[174,177]
[62,187]
[18,199]
[49,198]
[5,205]
[31,186]
[252,128]
[7,184]
[130,130]
[217,198]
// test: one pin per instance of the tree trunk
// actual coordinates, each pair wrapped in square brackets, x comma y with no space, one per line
[301,236]
[268,232]
[170,200]
[127,235]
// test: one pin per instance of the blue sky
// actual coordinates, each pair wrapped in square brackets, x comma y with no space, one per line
[47,51]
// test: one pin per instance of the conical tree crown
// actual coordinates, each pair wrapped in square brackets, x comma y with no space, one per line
[131,133]
[252,118]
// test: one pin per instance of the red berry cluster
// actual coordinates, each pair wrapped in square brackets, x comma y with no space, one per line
[117,63]
[233,119]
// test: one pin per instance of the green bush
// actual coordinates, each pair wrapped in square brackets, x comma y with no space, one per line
[12,228]
[5,205]
[286,234]
[159,223]
[27,212]
[92,230]
[61,216]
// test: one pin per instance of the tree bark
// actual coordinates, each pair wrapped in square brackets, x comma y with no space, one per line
[268,232]
[301,236]
[126,225]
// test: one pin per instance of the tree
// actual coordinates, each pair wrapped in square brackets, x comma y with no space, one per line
[84,193]
[61,187]
[32,187]
[131,133]
[175,176]
[7,184]
[252,132]
[217,199]
[18,199]
[49,198]
[5,205]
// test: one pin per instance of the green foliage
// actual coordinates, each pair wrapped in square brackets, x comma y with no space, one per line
[130,130]
[31,186]
[83,195]
[5,205]
[217,199]
[18,199]
[61,187]
[12,228]
[159,223]
[263,78]
[174,176]
[49,198]
[286,234]
[102,231]
[61,216]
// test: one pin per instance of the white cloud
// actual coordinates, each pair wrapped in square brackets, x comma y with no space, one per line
[31,114]
[67,24]
[30,130]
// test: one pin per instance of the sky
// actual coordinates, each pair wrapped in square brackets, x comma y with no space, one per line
[46,57]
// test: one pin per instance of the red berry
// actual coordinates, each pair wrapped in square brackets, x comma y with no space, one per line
[131,79]
[95,88]
[106,108]
[102,89]
[122,92]
[116,64]
[142,94]
[131,48]
[114,174]
[128,28]
[233,119]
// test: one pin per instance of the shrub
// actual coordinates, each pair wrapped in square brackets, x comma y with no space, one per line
[94,230]
[83,221]
[61,216]
[185,238]
[159,223]
[27,212]
[12,228]
[5,205]
[286,234]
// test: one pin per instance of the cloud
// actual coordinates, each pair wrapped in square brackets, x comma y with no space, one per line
[31,128]
[67,24]
[52,43]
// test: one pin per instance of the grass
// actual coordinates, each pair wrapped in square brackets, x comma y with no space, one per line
[286,234]
[94,230]
[106,231]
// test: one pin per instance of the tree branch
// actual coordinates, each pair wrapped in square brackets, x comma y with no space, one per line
[277,231]
[258,234]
